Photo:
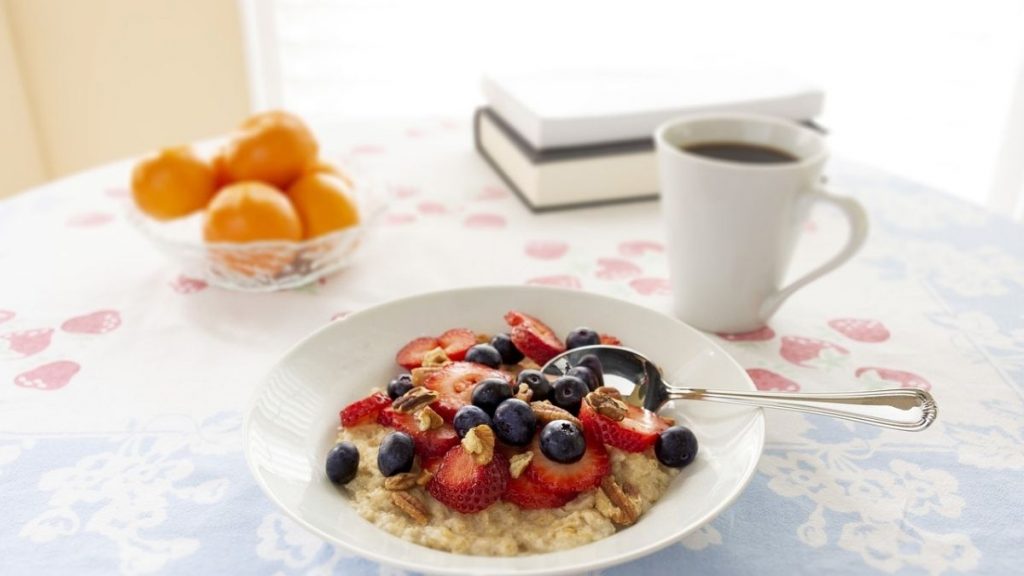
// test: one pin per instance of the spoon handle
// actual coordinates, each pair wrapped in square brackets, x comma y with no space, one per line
[897,408]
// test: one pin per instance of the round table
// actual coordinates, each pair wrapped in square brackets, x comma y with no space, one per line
[123,382]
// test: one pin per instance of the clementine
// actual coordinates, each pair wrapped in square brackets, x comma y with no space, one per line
[251,212]
[272,147]
[325,167]
[172,183]
[323,204]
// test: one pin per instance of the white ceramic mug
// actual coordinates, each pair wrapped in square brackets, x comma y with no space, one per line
[732,226]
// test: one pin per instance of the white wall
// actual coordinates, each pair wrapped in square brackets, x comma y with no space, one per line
[21,164]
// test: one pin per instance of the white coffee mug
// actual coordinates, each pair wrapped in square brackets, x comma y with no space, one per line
[732,225]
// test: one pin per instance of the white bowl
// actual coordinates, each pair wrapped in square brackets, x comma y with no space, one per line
[292,422]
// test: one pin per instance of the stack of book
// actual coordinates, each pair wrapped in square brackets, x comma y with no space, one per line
[579,138]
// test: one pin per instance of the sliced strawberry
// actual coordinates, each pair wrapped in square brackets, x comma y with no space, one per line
[565,478]
[446,407]
[456,342]
[609,340]
[411,355]
[431,464]
[364,411]
[635,433]
[429,443]
[533,337]
[465,486]
[455,381]
[528,494]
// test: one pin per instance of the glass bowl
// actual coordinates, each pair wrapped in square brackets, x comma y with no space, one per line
[258,266]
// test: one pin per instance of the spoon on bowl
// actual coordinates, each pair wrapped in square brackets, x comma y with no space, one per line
[642,384]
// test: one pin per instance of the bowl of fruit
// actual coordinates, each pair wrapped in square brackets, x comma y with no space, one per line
[265,212]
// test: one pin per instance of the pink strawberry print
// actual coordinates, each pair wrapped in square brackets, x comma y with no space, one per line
[560,281]
[492,193]
[902,377]
[759,335]
[801,351]
[25,343]
[651,286]
[51,376]
[397,219]
[90,219]
[860,329]
[402,191]
[768,380]
[483,220]
[6,315]
[99,322]
[616,269]
[185,285]
[636,248]
[415,133]
[546,249]
[367,150]
[431,208]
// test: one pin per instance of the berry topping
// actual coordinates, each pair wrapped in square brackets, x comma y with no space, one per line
[581,337]
[399,385]
[514,422]
[593,363]
[342,463]
[537,382]
[431,443]
[465,486]
[562,441]
[469,417]
[636,432]
[411,355]
[455,382]
[504,345]
[585,374]
[364,411]
[676,447]
[568,393]
[456,342]
[488,394]
[527,493]
[533,338]
[484,354]
[395,454]
[609,340]
[584,474]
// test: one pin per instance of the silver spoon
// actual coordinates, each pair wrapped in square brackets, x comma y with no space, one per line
[914,409]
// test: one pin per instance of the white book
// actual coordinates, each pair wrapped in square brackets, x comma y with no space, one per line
[572,108]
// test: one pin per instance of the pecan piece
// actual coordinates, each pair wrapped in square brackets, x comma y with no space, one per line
[402,481]
[424,477]
[607,406]
[548,412]
[420,374]
[412,506]
[416,398]
[626,509]
[524,393]
[435,358]
[427,419]
[479,442]
[518,463]
[609,391]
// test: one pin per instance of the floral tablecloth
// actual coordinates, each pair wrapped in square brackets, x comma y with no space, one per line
[123,382]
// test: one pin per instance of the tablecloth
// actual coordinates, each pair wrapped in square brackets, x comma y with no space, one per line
[123,382]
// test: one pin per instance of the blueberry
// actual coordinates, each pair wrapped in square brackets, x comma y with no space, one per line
[469,417]
[484,354]
[487,394]
[509,353]
[562,441]
[568,393]
[582,337]
[395,454]
[399,386]
[676,447]
[342,463]
[514,422]
[537,382]
[594,364]
[585,374]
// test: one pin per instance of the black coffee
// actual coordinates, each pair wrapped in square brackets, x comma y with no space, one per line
[742,153]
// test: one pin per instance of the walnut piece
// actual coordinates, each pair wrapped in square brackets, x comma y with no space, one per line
[424,477]
[609,391]
[524,393]
[518,463]
[420,374]
[427,419]
[479,442]
[548,412]
[435,358]
[607,406]
[402,481]
[412,506]
[626,509]
[417,397]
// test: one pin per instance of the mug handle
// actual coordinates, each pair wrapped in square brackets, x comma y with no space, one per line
[858,220]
